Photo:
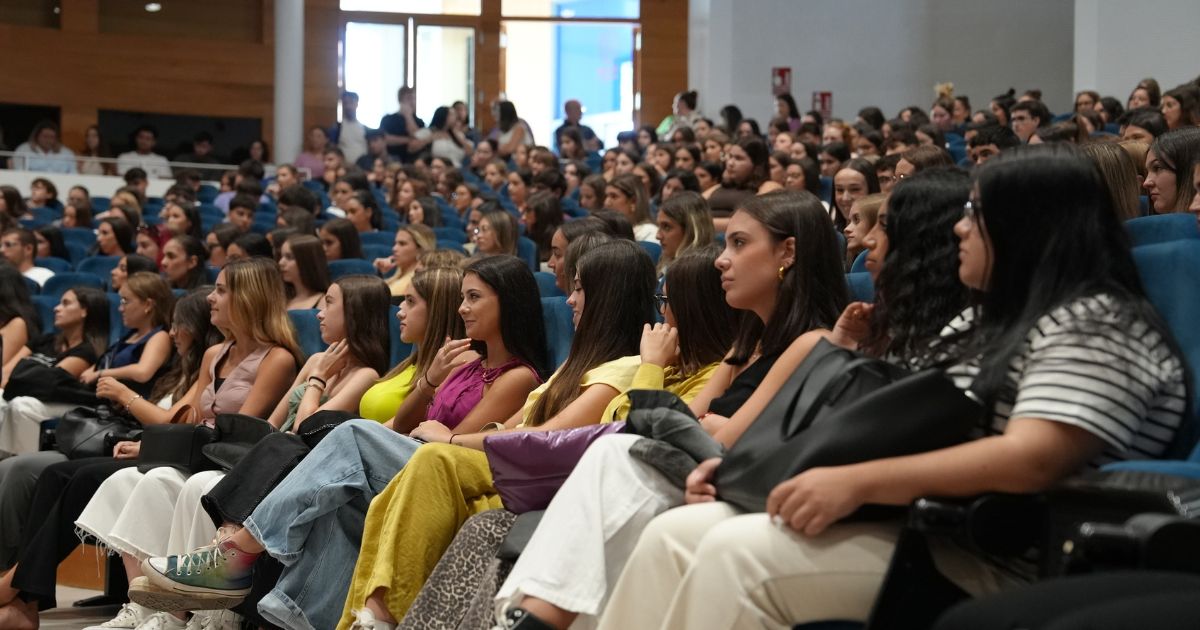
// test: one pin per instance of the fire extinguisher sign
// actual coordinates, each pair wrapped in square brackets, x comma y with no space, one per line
[823,102]
[781,81]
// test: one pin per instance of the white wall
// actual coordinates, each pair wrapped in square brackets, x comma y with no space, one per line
[1117,43]
[870,52]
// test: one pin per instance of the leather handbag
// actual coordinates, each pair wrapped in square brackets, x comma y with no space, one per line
[235,435]
[840,408]
[178,444]
[84,431]
[528,467]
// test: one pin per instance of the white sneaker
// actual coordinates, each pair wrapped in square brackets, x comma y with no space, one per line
[162,621]
[214,620]
[129,616]
[364,619]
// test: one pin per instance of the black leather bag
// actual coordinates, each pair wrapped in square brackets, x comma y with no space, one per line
[841,408]
[235,435]
[47,383]
[84,431]
[178,444]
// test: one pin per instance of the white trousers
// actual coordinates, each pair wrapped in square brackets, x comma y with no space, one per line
[148,514]
[710,566]
[21,422]
[589,530]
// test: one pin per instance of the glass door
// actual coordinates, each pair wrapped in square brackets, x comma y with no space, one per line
[375,66]
[445,67]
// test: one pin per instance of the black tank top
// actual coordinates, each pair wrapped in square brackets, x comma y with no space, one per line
[742,386]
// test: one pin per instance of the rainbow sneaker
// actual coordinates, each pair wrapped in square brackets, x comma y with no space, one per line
[212,577]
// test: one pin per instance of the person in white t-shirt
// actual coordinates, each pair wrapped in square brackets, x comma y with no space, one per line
[18,246]
[143,155]
[351,134]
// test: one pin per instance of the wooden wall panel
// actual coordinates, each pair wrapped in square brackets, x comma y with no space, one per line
[83,70]
[663,69]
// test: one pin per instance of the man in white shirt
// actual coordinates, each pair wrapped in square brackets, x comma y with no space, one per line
[43,152]
[143,155]
[351,134]
[18,246]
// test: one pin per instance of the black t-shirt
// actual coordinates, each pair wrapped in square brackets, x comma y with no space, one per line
[743,386]
[45,352]
[396,125]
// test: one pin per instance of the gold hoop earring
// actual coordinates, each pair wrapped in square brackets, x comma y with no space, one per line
[782,268]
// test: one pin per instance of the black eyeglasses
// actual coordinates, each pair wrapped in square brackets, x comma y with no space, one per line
[661,300]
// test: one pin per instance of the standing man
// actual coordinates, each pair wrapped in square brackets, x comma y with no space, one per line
[350,135]
[143,155]
[401,127]
[573,113]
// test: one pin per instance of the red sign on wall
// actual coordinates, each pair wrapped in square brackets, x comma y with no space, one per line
[781,80]
[823,102]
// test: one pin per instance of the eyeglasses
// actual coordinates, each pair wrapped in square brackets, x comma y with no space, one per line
[661,300]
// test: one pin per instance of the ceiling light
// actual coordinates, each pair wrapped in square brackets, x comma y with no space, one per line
[153,7]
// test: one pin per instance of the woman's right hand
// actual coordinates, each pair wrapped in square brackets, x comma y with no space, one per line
[127,450]
[700,488]
[444,361]
[89,376]
[110,388]
[660,344]
[385,265]
[853,326]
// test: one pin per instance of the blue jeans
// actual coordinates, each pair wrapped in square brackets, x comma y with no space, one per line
[324,500]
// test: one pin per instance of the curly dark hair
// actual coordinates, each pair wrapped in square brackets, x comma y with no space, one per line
[918,290]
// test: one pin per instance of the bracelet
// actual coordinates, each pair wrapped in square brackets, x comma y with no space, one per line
[429,382]
[319,380]
[452,438]
[129,404]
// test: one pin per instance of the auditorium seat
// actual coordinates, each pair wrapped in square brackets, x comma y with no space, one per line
[32,285]
[451,245]
[59,283]
[371,252]
[652,248]
[546,286]
[57,265]
[1162,228]
[350,267]
[862,289]
[397,348]
[450,234]
[527,251]
[560,330]
[83,236]
[860,263]
[100,266]
[377,238]
[308,330]
[44,304]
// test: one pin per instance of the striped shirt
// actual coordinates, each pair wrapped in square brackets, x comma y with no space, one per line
[1095,364]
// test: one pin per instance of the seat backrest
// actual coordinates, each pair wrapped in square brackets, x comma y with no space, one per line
[452,245]
[527,251]
[59,283]
[207,193]
[1169,275]
[57,265]
[827,189]
[450,234]
[308,330]
[377,238]
[1162,228]
[116,327]
[546,285]
[100,266]
[652,248]
[350,267]
[82,235]
[860,263]
[77,251]
[45,309]
[862,288]
[560,330]
[371,252]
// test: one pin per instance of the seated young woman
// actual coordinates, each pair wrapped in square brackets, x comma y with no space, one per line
[246,374]
[1073,364]
[184,262]
[304,271]
[128,265]
[502,315]
[146,308]
[679,356]
[57,493]
[81,318]
[684,223]
[789,298]
[411,241]
[18,318]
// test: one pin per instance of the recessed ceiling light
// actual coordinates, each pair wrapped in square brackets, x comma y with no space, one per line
[153,7]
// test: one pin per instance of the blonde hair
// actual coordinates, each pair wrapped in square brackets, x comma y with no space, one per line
[259,303]
[868,206]
[154,289]
[422,235]
[1137,150]
[1120,176]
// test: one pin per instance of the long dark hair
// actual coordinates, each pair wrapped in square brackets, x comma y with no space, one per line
[193,248]
[122,231]
[310,262]
[918,290]
[365,301]
[759,155]
[95,323]
[548,215]
[367,199]
[58,246]
[15,301]
[706,323]
[1179,150]
[190,211]
[618,279]
[346,234]
[508,115]
[813,291]
[521,326]
[1054,238]
[192,314]
[793,111]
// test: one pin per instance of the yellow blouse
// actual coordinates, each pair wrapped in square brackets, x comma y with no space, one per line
[383,399]
[617,374]
[648,376]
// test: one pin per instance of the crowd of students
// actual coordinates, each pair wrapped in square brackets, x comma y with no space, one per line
[371,503]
